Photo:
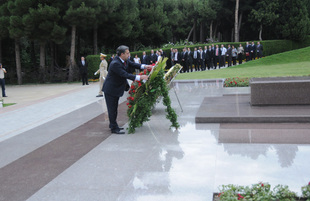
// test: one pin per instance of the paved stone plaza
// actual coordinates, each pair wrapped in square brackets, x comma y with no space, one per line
[55,145]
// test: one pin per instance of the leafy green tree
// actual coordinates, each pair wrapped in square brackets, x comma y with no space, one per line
[265,14]
[294,20]
[77,15]
[153,22]
[103,10]
[42,24]
[4,24]
[18,8]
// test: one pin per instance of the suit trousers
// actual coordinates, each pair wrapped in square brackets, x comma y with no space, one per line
[2,83]
[112,105]
[196,64]
[84,78]
[101,81]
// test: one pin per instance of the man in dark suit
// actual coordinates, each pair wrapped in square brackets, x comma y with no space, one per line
[201,59]
[116,81]
[176,57]
[247,50]
[210,55]
[259,49]
[83,65]
[189,60]
[144,59]
[253,51]
[153,57]
[217,55]
[184,60]
[229,56]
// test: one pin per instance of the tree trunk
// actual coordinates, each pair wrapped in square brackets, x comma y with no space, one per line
[201,32]
[211,26]
[215,31]
[95,39]
[52,61]
[18,64]
[190,33]
[239,25]
[72,53]
[33,54]
[195,34]
[260,32]
[42,61]
[236,22]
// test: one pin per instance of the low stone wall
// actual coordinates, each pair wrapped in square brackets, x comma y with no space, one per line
[280,91]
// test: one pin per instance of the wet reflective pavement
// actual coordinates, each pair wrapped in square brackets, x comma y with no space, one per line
[84,162]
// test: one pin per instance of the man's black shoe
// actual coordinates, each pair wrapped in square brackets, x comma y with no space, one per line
[120,128]
[99,96]
[118,132]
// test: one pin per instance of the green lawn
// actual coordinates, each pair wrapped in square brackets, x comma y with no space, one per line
[8,104]
[291,63]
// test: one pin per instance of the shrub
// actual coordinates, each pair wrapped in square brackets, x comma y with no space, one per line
[260,191]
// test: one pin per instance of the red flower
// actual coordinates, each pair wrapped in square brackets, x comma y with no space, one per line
[127,103]
[144,71]
[141,73]
[129,106]
[132,87]
[309,183]
[262,185]
[139,84]
[149,70]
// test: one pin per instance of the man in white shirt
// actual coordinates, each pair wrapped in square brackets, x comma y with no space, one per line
[223,56]
[2,81]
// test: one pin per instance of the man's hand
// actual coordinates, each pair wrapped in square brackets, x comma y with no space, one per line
[95,73]
[144,77]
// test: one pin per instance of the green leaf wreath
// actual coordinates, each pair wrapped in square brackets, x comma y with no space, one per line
[143,96]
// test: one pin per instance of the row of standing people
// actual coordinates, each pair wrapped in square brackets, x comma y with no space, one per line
[212,56]
[209,58]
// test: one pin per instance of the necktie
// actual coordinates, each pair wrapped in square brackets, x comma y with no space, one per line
[125,63]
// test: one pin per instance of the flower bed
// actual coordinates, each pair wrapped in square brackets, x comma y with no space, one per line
[260,191]
[237,82]
[143,96]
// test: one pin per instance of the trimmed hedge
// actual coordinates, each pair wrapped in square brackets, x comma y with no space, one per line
[270,47]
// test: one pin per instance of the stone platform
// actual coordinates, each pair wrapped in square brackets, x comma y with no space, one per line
[280,91]
[237,109]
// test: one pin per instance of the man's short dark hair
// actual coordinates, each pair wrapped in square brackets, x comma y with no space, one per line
[121,49]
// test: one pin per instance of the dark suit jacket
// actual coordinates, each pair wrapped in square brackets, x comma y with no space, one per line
[219,52]
[259,48]
[190,57]
[153,58]
[83,68]
[247,48]
[179,57]
[229,52]
[145,60]
[116,81]
[210,52]
[253,48]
